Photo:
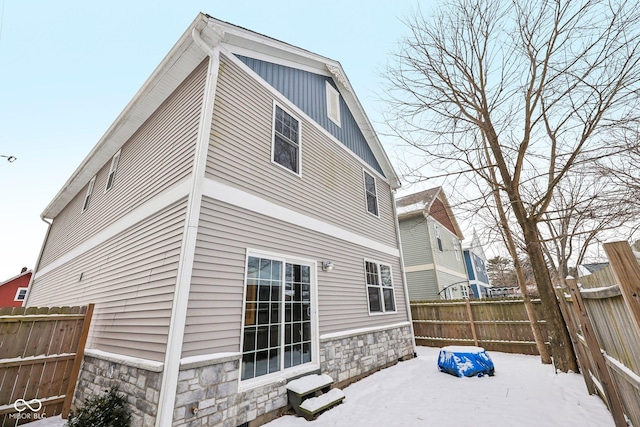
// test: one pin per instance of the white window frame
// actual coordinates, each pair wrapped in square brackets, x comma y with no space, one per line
[17,297]
[111,177]
[277,105]
[366,192]
[464,291]
[333,98]
[293,371]
[87,197]
[456,248]
[380,287]
[436,232]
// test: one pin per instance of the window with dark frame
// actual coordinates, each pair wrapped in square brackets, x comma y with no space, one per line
[371,193]
[286,141]
[379,287]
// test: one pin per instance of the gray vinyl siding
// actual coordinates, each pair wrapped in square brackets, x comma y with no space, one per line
[214,316]
[416,245]
[331,187]
[131,279]
[422,285]
[307,91]
[447,257]
[157,156]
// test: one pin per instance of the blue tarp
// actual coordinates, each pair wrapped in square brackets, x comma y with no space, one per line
[465,361]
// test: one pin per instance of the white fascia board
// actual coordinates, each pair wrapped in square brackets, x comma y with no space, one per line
[174,68]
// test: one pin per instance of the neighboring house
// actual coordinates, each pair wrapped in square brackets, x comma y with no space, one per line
[14,291]
[476,262]
[431,249]
[235,228]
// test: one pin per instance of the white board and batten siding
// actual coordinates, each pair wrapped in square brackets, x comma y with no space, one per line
[214,315]
[331,187]
[156,157]
[131,279]
[131,275]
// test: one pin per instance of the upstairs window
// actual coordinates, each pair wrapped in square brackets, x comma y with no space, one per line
[436,231]
[333,104]
[286,140]
[379,287]
[21,294]
[456,249]
[87,196]
[371,193]
[112,171]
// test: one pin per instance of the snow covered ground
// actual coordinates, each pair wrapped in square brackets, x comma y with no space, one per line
[523,393]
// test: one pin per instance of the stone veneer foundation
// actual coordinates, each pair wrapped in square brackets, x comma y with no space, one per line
[208,395]
[141,386]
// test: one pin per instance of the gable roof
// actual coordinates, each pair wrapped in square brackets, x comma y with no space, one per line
[432,202]
[24,273]
[178,64]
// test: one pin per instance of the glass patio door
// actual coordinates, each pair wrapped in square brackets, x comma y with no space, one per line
[277,322]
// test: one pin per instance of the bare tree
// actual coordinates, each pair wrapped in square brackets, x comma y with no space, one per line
[544,83]
[585,210]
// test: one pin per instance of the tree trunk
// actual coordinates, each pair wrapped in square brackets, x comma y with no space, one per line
[564,357]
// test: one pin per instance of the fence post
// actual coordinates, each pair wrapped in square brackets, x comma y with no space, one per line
[472,324]
[77,363]
[627,273]
[613,402]
[583,360]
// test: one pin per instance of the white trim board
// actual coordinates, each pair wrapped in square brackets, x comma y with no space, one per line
[236,197]
[361,331]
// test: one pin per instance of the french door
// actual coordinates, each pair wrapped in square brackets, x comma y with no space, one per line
[277,330]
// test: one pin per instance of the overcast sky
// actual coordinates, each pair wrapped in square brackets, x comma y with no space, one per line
[68,68]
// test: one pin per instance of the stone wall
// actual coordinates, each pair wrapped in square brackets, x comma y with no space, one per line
[208,395]
[140,386]
[356,355]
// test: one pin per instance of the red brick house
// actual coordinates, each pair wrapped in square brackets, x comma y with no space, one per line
[14,290]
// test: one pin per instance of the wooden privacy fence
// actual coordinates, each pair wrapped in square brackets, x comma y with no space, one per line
[604,324]
[41,352]
[496,325]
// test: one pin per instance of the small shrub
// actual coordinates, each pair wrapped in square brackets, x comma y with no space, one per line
[106,410]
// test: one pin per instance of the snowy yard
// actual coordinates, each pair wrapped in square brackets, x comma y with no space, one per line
[523,393]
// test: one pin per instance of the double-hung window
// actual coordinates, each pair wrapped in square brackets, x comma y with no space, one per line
[112,171]
[87,197]
[21,294]
[436,231]
[286,140]
[371,193]
[379,287]
[456,248]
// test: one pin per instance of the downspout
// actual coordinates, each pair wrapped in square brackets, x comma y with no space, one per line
[166,402]
[404,276]
[35,268]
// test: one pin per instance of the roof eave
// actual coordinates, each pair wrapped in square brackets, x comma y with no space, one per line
[177,64]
